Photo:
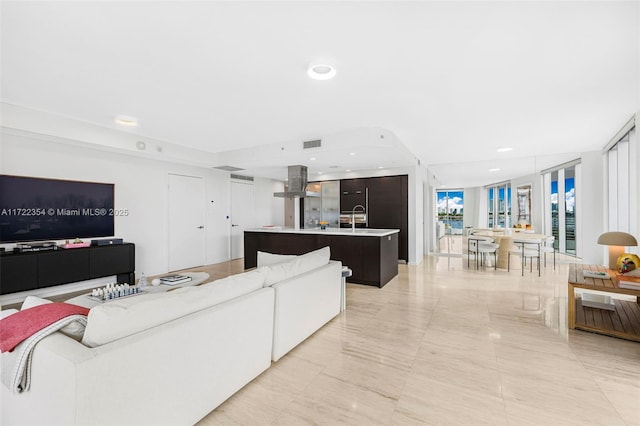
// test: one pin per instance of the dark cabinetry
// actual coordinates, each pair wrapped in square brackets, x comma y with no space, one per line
[30,271]
[389,208]
[372,259]
[386,199]
[352,193]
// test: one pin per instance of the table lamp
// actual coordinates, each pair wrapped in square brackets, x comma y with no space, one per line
[616,241]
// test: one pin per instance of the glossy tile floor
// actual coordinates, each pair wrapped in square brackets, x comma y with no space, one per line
[443,344]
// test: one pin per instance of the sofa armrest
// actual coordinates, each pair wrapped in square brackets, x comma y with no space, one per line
[303,304]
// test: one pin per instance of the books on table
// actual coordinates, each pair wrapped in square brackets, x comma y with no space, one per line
[631,285]
[174,279]
[595,274]
[599,301]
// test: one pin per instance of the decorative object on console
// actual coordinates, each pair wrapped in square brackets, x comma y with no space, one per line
[628,263]
[76,244]
[616,241]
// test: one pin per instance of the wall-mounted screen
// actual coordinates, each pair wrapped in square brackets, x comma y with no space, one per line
[37,209]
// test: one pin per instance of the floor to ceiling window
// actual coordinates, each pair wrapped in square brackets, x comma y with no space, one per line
[569,210]
[499,205]
[555,227]
[560,210]
[451,210]
[622,172]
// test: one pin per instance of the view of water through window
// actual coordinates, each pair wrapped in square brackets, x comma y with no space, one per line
[450,205]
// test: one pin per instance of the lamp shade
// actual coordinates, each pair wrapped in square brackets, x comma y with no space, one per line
[617,239]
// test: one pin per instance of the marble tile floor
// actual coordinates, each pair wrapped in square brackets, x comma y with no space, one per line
[443,344]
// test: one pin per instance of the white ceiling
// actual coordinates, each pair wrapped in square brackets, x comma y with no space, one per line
[450,81]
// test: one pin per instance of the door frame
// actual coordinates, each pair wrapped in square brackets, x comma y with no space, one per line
[204,216]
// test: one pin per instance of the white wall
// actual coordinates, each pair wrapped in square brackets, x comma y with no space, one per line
[592,208]
[472,214]
[269,209]
[141,186]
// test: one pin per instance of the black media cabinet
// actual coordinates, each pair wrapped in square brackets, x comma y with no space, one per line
[34,270]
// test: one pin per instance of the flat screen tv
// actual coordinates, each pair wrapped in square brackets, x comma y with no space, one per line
[37,209]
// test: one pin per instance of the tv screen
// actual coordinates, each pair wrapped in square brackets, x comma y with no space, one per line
[36,209]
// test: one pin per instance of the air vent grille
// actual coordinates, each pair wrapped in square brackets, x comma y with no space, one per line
[228,168]
[312,144]
[241,177]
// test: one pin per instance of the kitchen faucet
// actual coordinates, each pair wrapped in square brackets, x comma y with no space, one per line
[353,216]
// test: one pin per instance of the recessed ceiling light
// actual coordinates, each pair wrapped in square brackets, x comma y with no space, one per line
[126,120]
[504,149]
[321,71]
[494,170]
[312,159]
[352,153]
[381,167]
[319,173]
[348,170]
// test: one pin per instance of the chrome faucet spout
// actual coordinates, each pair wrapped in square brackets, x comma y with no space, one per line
[353,216]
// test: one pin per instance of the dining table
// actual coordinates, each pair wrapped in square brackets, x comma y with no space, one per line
[504,239]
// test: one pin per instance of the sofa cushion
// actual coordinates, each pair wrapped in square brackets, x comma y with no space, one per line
[75,330]
[298,265]
[267,259]
[6,312]
[117,319]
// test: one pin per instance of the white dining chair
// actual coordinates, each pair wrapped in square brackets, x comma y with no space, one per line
[548,247]
[481,247]
[526,248]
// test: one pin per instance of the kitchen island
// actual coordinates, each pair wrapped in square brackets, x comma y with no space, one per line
[372,254]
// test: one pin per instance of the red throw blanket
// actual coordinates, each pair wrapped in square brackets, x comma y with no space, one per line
[20,326]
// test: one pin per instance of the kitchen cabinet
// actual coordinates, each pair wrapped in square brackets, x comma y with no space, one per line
[325,208]
[352,193]
[372,256]
[389,208]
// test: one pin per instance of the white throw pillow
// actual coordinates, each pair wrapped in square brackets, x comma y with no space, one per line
[299,265]
[120,318]
[75,330]
[266,259]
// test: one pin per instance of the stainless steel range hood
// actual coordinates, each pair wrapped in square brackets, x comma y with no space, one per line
[297,184]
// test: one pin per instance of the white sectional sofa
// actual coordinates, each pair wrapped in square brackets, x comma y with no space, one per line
[171,358]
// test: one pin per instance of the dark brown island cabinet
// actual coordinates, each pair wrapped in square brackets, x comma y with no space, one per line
[371,254]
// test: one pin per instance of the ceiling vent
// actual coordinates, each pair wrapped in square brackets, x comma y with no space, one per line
[228,168]
[312,144]
[241,177]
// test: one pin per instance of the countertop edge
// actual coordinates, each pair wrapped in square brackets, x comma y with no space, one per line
[330,231]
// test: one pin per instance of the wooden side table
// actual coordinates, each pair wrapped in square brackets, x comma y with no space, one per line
[623,322]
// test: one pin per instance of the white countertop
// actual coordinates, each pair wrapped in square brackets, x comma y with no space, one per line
[358,232]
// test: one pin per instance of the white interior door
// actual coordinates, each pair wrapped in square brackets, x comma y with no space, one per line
[186,222]
[242,215]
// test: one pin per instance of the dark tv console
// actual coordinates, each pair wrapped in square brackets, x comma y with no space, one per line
[40,269]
